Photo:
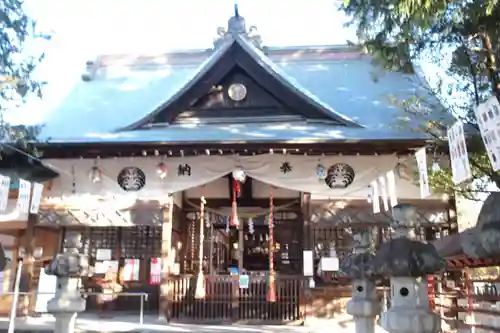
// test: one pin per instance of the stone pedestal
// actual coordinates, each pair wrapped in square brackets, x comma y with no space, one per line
[407,263]
[409,311]
[364,305]
[69,267]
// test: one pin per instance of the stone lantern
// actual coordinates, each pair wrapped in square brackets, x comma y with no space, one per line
[364,305]
[483,240]
[3,259]
[69,267]
[407,262]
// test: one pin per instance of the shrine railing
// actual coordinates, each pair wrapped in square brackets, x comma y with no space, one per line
[226,301]
[468,296]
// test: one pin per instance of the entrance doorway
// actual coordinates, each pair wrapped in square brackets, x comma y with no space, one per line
[232,253]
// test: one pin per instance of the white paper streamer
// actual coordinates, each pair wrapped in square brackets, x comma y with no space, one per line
[35,198]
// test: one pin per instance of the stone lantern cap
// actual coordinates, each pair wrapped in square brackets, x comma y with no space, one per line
[405,257]
[3,259]
[359,266]
[483,241]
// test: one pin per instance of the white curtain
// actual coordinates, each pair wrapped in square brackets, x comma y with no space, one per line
[287,171]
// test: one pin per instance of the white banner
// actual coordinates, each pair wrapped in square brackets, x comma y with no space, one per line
[375,197]
[35,198]
[4,192]
[460,166]
[488,119]
[421,157]
[382,182]
[391,188]
[23,197]
[347,176]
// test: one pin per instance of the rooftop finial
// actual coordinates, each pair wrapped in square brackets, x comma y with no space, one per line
[236,24]
[236,12]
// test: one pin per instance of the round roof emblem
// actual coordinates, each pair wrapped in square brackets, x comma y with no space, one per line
[237,92]
[131,179]
[339,175]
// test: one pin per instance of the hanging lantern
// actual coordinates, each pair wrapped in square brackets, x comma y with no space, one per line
[321,172]
[250,226]
[95,174]
[435,165]
[239,174]
[161,170]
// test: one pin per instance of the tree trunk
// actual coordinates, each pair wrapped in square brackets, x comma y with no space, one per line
[491,65]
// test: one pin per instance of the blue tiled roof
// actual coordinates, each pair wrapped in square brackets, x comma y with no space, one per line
[118,97]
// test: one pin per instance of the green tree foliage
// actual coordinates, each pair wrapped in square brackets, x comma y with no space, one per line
[399,33]
[18,60]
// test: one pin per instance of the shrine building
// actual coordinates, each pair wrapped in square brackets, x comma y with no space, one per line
[216,180]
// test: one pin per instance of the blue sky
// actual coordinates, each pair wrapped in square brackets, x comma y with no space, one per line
[117,26]
[83,29]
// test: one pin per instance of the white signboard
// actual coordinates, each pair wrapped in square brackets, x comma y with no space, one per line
[308,263]
[460,166]
[421,157]
[47,286]
[103,254]
[329,264]
[488,119]
[23,196]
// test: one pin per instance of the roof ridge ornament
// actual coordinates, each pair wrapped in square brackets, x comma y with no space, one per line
[236,26]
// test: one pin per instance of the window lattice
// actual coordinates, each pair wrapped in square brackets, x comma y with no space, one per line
[103,238]
[141,242]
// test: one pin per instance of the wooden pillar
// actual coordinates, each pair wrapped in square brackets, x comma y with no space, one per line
[166,259]
[307,242]
[307,227]
[241,244]
[27,278]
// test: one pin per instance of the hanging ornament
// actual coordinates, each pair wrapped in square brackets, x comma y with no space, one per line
[369,196]
[321,172]
[239,174]
[95,173]
[250,226]
[271,291]
[200,280]
[207,220]
[161,170]
[236,193]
